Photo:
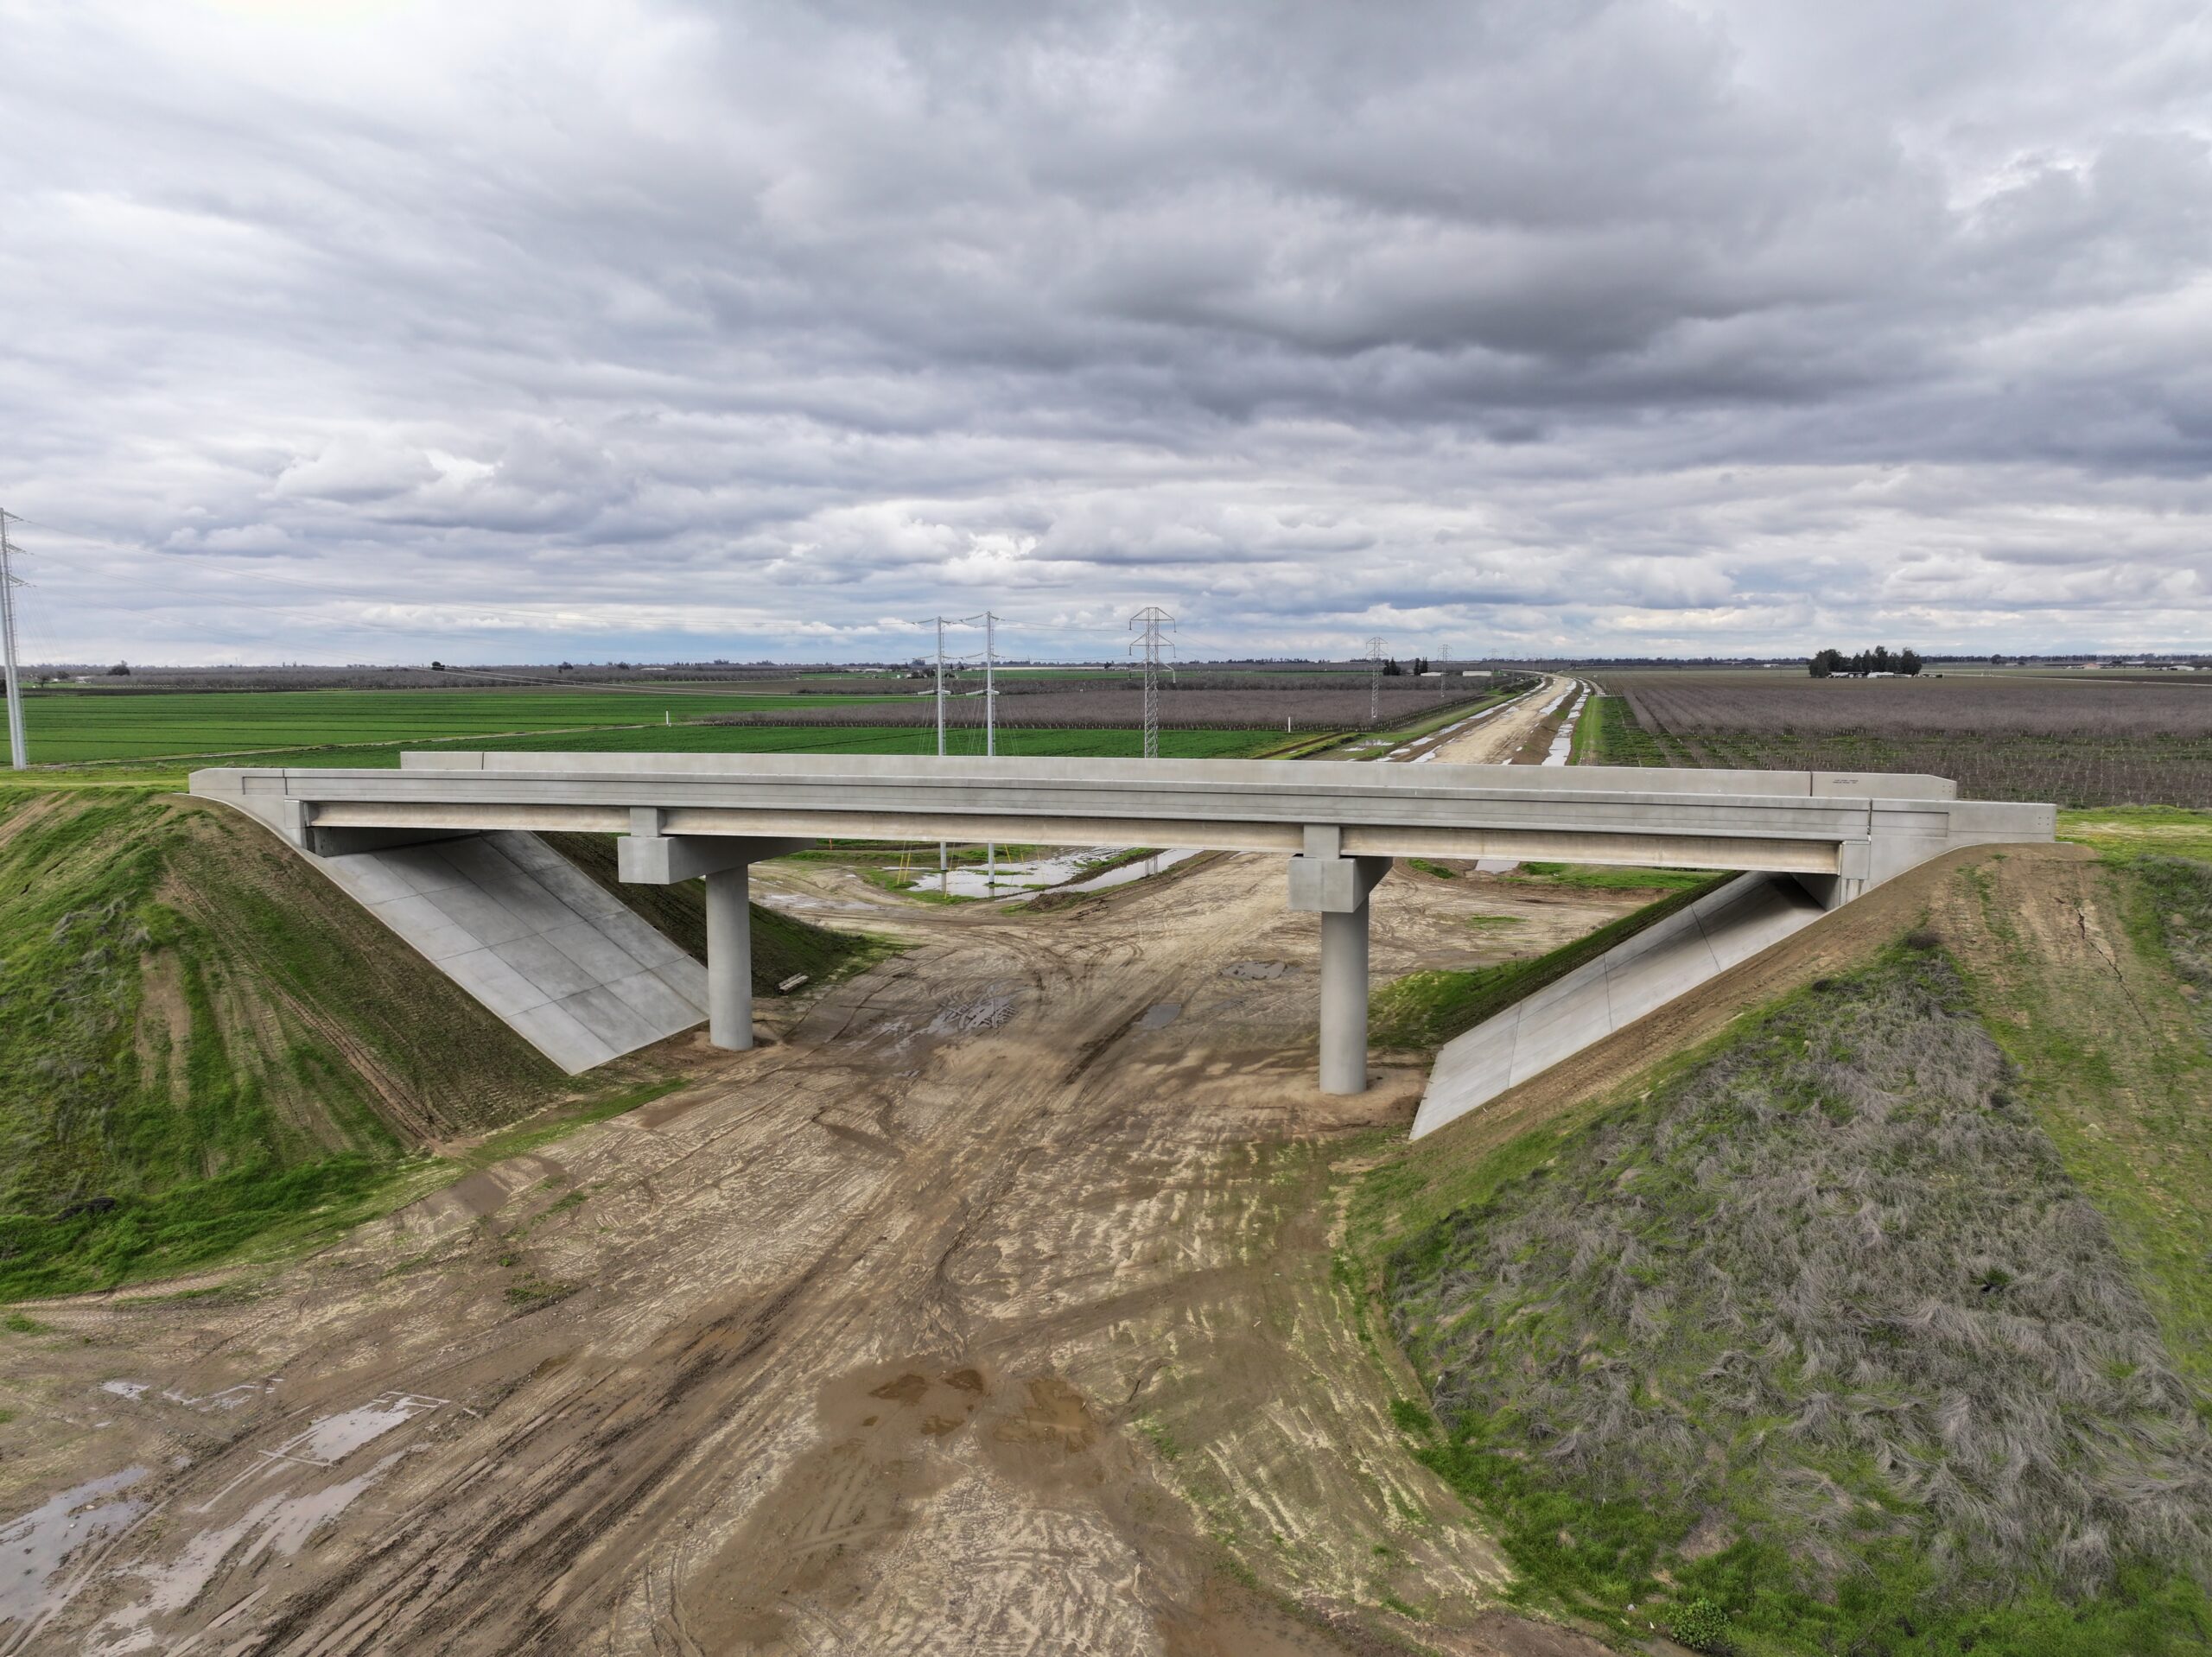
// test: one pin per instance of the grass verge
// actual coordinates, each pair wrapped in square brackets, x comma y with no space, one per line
[208,1052]
[1596,877]
[1426,1009]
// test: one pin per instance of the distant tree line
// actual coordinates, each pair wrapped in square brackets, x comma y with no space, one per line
[1831,664]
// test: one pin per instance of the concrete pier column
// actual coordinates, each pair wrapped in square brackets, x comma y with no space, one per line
[729,958]
[1344,1000]
[1335,888]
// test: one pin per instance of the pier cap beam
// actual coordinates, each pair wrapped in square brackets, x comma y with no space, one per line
[657,859]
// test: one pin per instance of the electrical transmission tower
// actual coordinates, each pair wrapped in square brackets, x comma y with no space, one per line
[940,687]
[1375,681]
[1149,619]
[991,722]
[7,586]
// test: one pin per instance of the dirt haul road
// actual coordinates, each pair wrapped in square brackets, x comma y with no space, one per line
[988,1310]
[1498,737]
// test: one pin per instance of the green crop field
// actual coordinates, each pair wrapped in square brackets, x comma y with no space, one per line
[859,739]
[71,727]
[689,739]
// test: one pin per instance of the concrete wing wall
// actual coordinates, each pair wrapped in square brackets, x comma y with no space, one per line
[569,968]
[1637,976]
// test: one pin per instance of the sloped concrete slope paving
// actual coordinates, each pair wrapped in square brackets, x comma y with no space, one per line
[1640,976]
[571,970]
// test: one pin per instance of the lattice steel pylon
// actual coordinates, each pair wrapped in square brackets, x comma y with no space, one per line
[1375,681]
[1149,620]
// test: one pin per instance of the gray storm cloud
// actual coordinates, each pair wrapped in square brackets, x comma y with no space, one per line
[374,331]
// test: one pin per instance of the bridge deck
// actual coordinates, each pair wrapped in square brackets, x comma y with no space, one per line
[709,816]
[1788,822]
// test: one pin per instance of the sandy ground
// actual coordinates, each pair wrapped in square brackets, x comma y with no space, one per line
[988,1310]
[1496,739]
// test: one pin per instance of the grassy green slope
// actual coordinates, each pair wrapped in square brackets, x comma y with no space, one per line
[1610,735]
[1426,1009]
[202,1040]
[782,944]
[1883,1323]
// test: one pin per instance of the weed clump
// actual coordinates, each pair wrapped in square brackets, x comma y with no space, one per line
[1700,1625]
[1821,1334]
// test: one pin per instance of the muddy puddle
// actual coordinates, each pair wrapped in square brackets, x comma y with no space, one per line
[1064,872]
[227,1398]
[331,1438]
[271,1531]
[1563,741]
[261,1519]
[35,1546]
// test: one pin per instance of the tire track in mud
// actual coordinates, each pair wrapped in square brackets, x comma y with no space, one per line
[419,1578]
[1498,738]
[423,1572]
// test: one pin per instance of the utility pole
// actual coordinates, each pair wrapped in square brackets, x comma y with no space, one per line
[7,586]
[943,860]
[990,690]
[1149,618]
[1375,681]
[990,735]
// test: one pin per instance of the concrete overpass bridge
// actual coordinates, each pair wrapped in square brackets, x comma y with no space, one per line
[388,836]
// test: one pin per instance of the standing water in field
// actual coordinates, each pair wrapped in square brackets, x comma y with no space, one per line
[34,1545]
[1563,743]
[1036,874]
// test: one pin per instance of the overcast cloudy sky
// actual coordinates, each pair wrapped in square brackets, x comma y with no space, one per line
[511,331]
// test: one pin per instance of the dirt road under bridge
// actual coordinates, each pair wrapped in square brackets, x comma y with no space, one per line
[988,1310]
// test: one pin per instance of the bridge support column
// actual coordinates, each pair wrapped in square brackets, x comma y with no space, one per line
[729,958]
[724,861]
[1336,888]
[1343,1001]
